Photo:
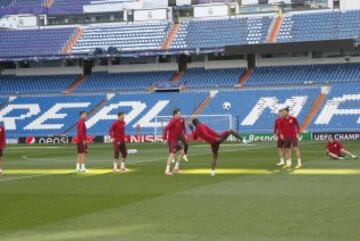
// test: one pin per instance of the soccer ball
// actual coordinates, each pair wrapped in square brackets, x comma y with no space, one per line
[227,106]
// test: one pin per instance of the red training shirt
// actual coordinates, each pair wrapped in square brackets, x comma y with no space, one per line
[2,137]
[117,130]
[174,129]
[289,127]
[81,131]
[205,133]
[335,147]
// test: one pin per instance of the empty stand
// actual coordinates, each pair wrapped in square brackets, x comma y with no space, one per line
[222,32]
[200,77]
[303,74]
[124,37]
[34,42]
[10,84]
[102,81]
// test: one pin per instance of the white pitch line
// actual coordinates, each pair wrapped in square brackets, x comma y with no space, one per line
[23,177]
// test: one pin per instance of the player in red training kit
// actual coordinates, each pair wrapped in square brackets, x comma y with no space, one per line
[336,150]
[2,146]
[289,131]
[279,141]
[82,145]
[213,138]
[117,134]
[171,134]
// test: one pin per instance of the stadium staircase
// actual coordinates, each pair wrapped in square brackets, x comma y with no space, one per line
[203,105]
[177,76]
[48,3]
[77,83]
[275,29]
[91,113]
[313,111]
[244,77]
[170,37]
[73,40]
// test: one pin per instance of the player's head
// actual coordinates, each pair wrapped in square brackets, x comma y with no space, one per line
[285,111]
[195,122]
[177,113]
[83,115]
[331,139]
[121,116]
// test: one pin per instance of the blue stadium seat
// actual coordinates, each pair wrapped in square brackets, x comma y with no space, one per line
[11,84]
[302,74]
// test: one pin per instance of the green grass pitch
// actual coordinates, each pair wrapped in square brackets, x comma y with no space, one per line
[249,200]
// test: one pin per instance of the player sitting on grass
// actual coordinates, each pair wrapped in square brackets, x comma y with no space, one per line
[336,150]
[211,137]
[171,134]
[117,134]
[2,146]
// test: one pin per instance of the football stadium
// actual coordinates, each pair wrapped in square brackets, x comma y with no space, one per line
[183,120]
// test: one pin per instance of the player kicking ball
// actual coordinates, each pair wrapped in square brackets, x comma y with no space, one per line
[289,131]
[117,134]
[2,146]
[336,150]
[214,139]
[82,144]
[171,134]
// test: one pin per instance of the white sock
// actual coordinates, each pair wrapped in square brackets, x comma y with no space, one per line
[353,156]
[299,161]
[167,168]
[1,170]
[282,160]
[213,173]
[288,162]
[82,166]
[177,165]
[122,165]
[78,166]
[115,165]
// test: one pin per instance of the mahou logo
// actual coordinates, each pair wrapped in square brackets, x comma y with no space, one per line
[30,140]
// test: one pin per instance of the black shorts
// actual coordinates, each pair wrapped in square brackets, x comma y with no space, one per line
[291,142]
[120,146]
[280,143]
[82,148]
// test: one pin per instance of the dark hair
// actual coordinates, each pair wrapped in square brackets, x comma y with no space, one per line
[175,111]
[195,122]
[121,113]
[82,112]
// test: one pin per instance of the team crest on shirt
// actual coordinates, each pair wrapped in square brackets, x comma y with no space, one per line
[290,121]
[335,145]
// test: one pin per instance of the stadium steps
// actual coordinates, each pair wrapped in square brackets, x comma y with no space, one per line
[313,111]
[244,77]
[91,113]
[77,83]
[203,105]
[73,40]
[177,76]
[48,3]
[275,29]
[170,37]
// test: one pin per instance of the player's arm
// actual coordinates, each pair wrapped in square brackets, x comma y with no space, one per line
[297,126]
[166,130]
[112,131]
[184,127]
[280,130]
[276,128]
[195,133]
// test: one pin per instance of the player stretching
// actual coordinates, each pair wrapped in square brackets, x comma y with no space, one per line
[213,138]
[117,134]
[2,146]
[279,141]
[336,150]
[82,145]
[170,134]
[289,130]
